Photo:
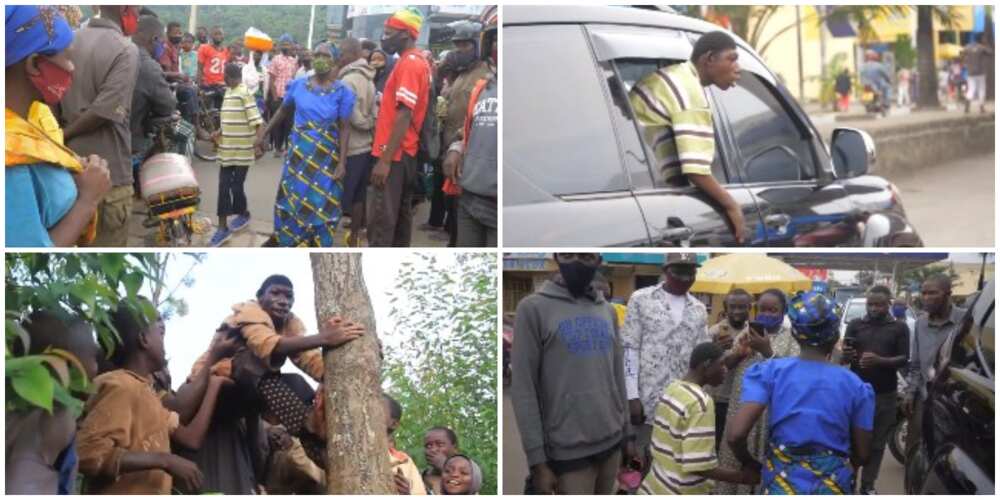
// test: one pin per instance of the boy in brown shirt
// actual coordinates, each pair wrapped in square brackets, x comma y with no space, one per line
[124,439]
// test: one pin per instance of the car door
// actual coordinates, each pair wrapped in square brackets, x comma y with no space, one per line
[779,158]
[675,216]
[564,180]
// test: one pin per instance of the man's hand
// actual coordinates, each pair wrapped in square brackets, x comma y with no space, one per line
[221,381]
[750,473]
[735,215]
[185,473]
[224,346]
[337,331]
[452,166]
[760,343]
[340,172]
[380,174]
[633,459]
[94,181]
[402,484]
[635,411]
[544,480]
[870,360]
[848,354]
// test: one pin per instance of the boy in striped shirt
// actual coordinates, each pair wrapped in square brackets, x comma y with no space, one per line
[241,125]
[676,117]
[683,444]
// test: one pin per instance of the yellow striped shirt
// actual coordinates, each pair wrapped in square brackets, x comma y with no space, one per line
[240,119]
[683,442]
[673,109]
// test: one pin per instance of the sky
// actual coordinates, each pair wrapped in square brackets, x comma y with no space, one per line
[227,278]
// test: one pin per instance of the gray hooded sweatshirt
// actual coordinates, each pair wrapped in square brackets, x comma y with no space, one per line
[568,387]
[358,76]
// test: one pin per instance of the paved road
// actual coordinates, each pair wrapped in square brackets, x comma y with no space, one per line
[952,205]
[261,188]
[515,469]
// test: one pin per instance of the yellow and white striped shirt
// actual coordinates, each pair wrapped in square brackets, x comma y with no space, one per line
[240,119]
[683,442]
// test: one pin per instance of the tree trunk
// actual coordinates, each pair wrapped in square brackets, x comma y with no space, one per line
[927,96]
[357,448]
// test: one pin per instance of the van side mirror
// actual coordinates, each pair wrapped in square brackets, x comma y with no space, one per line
[853,152]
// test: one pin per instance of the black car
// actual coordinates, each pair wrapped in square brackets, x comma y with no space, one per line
[577,171]
[956,453]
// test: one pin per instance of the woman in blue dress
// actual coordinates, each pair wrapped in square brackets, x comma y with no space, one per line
[820,415]
[308,209]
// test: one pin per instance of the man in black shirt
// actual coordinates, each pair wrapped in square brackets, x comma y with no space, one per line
[876,346]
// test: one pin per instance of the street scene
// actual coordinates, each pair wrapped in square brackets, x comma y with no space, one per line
[271,372]
[749,373]
[885,112]
[250,126]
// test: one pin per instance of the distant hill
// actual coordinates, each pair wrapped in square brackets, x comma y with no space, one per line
[235,19]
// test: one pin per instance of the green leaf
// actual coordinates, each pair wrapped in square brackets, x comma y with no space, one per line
[14,328]
[65,398]
[112,264]
[34,384]
[132,281]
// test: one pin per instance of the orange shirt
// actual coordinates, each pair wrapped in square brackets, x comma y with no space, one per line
[124,414]
[213,64]
[409,85]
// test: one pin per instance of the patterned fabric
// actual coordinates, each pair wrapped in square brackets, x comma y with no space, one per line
[35,29]
[814,319]
[782,345]
[282,70]
[657,350]
[817,473]
[282,403]
[409,19]
[188,62]
[240,119]
[683,442]
[673,109]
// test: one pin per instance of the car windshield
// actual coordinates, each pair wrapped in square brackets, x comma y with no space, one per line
[854,311]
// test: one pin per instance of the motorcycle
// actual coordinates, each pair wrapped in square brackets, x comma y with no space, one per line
[874,101]
[897,435]
[168,185]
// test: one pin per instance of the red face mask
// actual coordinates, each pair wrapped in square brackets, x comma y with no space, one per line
[130,20]
[52,81]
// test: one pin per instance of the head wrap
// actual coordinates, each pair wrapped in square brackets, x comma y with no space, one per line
[329,48]
[477,474]
[814,321]
[34,29]
[274,279]
[409,19]
[285,37]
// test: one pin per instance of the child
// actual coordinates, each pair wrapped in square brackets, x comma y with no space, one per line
[440,443]
[462,476]
[40,451]
[124,438]
[188,58]
[405,474]
[683,443]
[241,123]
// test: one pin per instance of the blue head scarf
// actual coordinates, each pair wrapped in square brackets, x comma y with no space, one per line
[285,38]
[814,321]
[34,29]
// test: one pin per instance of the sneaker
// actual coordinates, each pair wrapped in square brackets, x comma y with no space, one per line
[869,491]
[239,223]
[221,236]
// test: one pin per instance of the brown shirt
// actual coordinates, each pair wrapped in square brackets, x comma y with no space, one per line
[106,68]
[124,415]
[261,337]
[458,97]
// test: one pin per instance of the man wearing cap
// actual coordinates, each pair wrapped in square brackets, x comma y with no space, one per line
[663,323]
[397,132]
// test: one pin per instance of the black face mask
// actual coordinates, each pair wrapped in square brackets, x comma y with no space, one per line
[202,38]
[577,277]
[175,40]
[460,61]
[393,44]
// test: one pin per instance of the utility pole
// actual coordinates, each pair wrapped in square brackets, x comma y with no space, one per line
[193,19]
[312,21]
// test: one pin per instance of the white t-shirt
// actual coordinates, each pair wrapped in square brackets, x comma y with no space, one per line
[677,304]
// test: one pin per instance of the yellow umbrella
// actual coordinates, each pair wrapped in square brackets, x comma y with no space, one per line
[751,272]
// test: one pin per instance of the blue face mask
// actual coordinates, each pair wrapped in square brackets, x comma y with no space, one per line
[899,311]
[770,322]
[158,48]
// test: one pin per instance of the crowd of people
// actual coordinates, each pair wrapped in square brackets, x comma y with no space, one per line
[237,425]
[769,400]
[347,117]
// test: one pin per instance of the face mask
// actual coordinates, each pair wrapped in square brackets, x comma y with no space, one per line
[130,21]
[158,49]
[202,38]
[879,315]
[393,44]
[899,311]
[461,61]
[770,322]
[322,66]
[176,40]
[577,276]
[52,81]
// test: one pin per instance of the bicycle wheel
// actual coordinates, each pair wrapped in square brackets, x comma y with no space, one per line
[208,124]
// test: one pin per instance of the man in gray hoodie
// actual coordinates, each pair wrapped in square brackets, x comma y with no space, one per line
[568,386]
[358,75]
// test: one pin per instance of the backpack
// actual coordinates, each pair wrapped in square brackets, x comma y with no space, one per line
[430,131]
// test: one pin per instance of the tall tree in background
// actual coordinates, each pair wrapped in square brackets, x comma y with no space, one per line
[446,372]
[357,444]
[927,94]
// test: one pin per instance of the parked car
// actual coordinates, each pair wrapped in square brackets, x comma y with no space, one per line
[956,452]
[577,171]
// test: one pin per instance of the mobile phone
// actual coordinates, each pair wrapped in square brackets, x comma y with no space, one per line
[757,327]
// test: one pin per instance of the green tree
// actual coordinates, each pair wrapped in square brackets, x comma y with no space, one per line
[235,19]
[918,275]
[904,53]
[446,372]
[927,84]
